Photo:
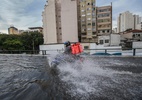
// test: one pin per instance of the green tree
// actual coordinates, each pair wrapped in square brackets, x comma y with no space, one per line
[12,44]
[31,40]
[24,41]
[3,38]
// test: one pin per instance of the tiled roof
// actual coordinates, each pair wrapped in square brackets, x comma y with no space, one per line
[133,31]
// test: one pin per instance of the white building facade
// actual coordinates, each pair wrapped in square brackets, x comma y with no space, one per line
[109,40]
[60,21]
[137,21]
[125,21]
[139,26]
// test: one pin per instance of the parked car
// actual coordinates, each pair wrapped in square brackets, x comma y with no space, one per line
[84,53]
[101,53]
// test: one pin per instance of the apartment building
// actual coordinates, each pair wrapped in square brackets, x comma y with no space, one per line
[139,26]
[125,21]
[104,20]
[95,21]
[139,23]
[36,29]
[79,20]
[60,21]
[137,20]
[32,29]
[88,20]
[12,30]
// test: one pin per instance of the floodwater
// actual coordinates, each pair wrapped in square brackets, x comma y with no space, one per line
[27,77]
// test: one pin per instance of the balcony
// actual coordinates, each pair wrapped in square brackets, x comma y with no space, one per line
[102,23]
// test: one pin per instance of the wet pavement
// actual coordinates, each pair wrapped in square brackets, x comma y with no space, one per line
[28,77]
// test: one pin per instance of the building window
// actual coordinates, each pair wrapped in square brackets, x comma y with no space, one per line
[100,26]
[88,3]
[88,13]
[93,3]
[82,5]
[82,10]
[83,37]
[94,29]
[89,23]
[83,25]
[88,8]
[94,33]
[83,20]
[101,42]
[106,41]
[83,15]
[88,18]
[89,29]
[93,14]
[86,47]
[94,19]
[83,33]
[83,30]
[93,24]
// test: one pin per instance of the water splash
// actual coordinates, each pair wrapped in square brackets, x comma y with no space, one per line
[93,76]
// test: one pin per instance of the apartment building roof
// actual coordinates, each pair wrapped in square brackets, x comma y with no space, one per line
[35,28]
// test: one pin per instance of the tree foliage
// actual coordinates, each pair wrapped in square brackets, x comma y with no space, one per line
[13,44]
[24,41]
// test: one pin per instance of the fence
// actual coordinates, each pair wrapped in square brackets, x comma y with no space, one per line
[19,51]
[117,51]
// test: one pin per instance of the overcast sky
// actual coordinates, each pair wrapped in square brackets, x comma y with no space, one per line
[27,13]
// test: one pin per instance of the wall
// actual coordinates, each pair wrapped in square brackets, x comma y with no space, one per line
[104,38]
[114,49]
[137,45]
[115,40]
[49,23]
[52,48]
[69,24]
[127,35]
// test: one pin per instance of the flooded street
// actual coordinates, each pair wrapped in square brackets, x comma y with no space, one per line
[24,77]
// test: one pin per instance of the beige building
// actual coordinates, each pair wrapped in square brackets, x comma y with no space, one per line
[95,21]
[36,29]
[60,21]
[32,29]
[88,20]
[12,30]
[104,20]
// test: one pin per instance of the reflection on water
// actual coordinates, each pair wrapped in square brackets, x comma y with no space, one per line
[23,77]
[28,78]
